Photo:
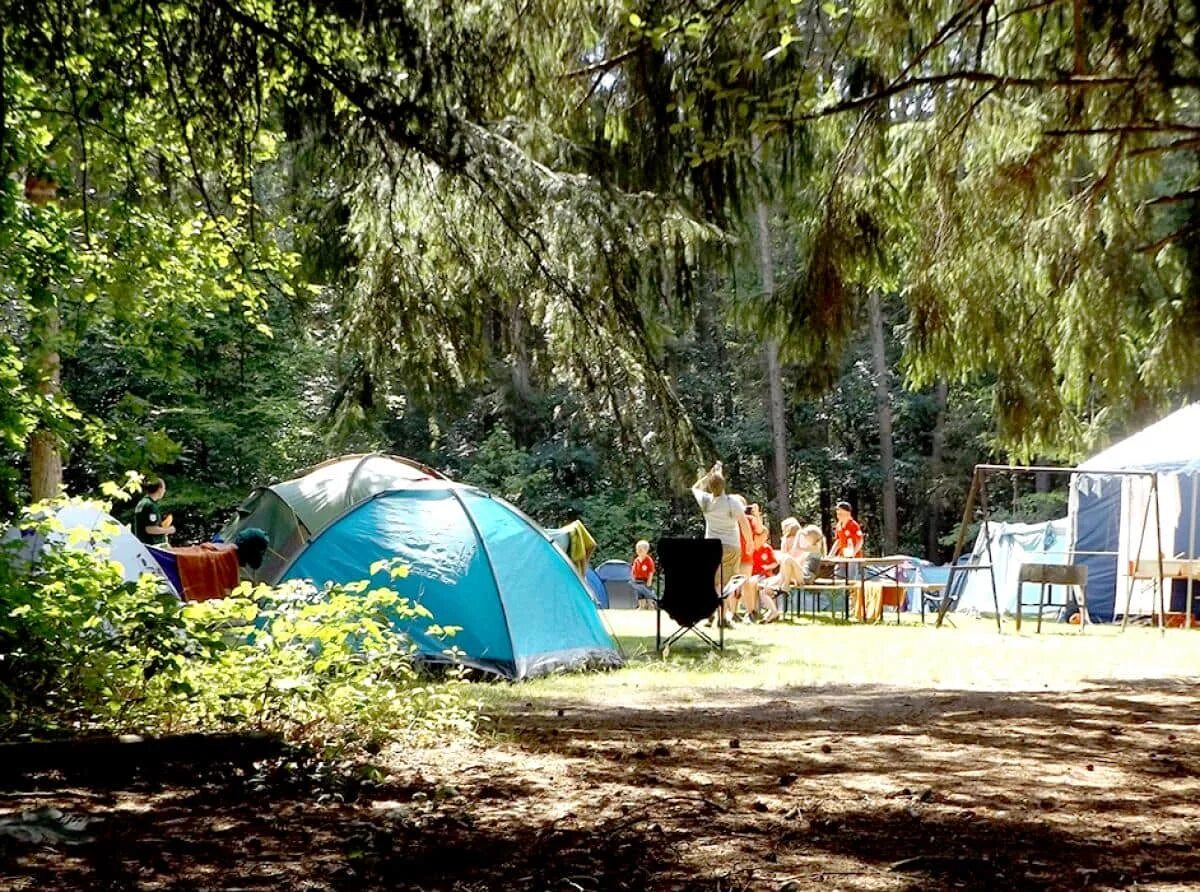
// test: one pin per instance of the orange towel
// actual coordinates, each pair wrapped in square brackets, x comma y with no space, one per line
[867,601]
[207,571]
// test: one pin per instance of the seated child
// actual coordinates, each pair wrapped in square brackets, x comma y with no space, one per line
[753,595]
[814,541]
[643,575]
[799,555]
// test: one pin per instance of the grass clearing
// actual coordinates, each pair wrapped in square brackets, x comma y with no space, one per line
[970,655]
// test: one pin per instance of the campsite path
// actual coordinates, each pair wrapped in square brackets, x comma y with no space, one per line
[830,786]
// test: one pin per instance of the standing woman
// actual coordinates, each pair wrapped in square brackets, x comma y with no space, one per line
[724,518]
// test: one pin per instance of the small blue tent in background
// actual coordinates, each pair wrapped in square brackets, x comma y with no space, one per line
[474,562]
[617,579]
[596,587]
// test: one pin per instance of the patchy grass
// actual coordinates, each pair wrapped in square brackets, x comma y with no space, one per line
[968,656]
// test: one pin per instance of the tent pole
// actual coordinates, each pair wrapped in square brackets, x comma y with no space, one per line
[1191,553]
[1137,554]
[1162,617]
[958,545]
[987,541]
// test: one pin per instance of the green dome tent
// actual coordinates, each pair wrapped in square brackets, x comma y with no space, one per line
[475,562]
[294,511]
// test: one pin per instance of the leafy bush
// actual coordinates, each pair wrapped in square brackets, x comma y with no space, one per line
[82,648]
[78,644]
[322,664]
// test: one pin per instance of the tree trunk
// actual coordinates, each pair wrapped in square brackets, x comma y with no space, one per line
[782,501]
[520,391]
[521,376]
[933,548]
[883,411]
[825,493]
[45,456]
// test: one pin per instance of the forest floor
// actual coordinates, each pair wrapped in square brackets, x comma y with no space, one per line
[807,756]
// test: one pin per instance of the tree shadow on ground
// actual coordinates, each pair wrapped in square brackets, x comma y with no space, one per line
[254,813]
[850,786]
[953,788]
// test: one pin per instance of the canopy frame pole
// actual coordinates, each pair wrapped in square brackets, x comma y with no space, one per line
[1191,553]
[1162,615]
[976,476]
[987,541]
[1137,557]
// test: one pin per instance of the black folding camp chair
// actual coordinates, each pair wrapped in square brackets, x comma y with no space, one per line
[687,574]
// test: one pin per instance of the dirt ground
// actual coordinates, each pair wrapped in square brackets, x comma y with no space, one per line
[825,786]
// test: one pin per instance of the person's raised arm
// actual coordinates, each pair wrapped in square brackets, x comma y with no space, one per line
[700,489]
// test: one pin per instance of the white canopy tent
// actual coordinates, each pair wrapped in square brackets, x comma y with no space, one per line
[1119,520]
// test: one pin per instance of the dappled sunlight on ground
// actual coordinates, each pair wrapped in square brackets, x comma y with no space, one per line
[808,756]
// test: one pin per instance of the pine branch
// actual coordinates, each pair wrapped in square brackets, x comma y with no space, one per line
[604,65]
[1176,197]
[390,114]
[999,81]
[1174,146]
[1145,127]
[1182,232]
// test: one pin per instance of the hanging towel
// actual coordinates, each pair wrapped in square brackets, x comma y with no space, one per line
[206,571]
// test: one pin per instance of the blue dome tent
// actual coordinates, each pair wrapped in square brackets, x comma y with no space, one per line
[474,562]
[292,511]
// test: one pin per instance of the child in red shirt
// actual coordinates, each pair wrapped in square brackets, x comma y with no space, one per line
[763,561]
[847,534]
[755,598]
[642,571]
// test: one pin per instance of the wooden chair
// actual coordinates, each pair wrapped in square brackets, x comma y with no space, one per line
[1068,575]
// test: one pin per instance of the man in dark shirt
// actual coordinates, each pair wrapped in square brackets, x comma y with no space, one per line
[148,523]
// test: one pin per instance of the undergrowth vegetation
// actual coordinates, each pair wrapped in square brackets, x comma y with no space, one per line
[82,649]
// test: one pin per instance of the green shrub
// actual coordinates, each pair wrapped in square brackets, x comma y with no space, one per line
[323,664]
[81,648]
[78,644]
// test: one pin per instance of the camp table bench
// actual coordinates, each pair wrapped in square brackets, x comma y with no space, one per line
[816,587]
[861,570]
